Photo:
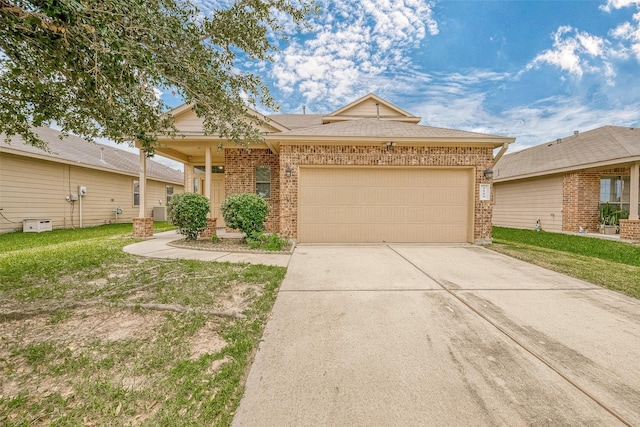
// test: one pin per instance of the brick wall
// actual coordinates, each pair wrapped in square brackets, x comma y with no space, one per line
[581,198]
[240,177]
[630,229]
[142,227]
[296,155]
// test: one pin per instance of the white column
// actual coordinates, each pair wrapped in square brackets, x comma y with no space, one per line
[207,173]
[635,184]
[143,184]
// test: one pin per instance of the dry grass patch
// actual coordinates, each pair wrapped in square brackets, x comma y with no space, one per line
[94,343]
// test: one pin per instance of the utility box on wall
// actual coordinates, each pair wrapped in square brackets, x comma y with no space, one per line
[36,225]
[160,213]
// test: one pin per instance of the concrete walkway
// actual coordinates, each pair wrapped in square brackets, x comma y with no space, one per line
[158,247]
[414,335]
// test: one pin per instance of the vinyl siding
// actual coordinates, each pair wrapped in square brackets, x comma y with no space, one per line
[36,189]
[519,204]
[369,109]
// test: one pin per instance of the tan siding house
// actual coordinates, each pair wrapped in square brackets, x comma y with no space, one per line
[35,184]
[563,183]
[367,172]
[522,204]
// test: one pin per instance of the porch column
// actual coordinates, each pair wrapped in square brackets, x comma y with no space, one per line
[630,228]
[211,222]
[207,174]
[143,184]
[142,226]
[635,184]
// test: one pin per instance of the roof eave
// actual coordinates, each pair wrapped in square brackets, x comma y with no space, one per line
[596,165]
[494,142]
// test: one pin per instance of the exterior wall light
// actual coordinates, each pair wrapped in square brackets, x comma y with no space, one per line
[287,172]
[488,173]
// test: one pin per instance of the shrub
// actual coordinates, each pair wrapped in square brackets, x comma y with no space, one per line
[188,212]
[245,212]
[269,242]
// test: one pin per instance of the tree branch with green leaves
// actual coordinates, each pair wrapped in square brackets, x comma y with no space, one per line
[94,67]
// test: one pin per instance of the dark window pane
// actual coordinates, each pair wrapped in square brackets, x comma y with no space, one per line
[263,174]
[263,190]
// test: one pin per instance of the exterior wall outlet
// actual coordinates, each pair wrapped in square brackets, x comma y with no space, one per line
[73,197]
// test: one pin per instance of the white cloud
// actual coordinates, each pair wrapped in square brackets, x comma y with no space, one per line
[370,37]
[629,32]
[578,52]
[619,4]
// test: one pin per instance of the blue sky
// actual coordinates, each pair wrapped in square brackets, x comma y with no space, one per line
[533,70]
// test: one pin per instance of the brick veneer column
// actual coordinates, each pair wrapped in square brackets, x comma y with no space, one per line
[630,229]
[581,198]
[142,227]
[294,156]
[210,230]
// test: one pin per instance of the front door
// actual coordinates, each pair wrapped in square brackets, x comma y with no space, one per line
[217,196]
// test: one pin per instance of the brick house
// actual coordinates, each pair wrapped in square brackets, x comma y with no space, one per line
[564,182]
[367,172]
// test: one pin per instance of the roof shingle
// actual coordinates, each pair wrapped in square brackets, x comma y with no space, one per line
[607,144]
[85,153]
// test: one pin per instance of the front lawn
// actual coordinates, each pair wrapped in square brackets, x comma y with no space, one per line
[91,335]
[610,264]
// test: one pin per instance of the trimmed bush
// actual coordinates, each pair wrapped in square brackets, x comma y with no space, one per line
[245,212]
[268,242]
[188,212]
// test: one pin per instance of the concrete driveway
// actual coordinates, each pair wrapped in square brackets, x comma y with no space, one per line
[414,335]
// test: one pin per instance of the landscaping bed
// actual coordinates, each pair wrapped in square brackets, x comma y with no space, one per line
[227,245]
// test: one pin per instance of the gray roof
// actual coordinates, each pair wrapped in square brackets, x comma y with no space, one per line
[297,121]
[78,151]
[383,129]
[607,145]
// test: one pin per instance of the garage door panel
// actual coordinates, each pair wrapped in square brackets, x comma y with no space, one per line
[361,204]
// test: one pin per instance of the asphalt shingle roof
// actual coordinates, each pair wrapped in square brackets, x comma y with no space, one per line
[381,128]
[607,144]
[85,153]
[297,121]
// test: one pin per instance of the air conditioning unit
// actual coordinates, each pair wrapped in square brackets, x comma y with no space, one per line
[160,213]
[36,225]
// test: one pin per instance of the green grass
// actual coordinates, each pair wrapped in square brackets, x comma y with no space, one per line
[77,349]
[610,264]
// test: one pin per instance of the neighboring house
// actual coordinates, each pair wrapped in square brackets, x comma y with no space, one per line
[41,185]
[562,183]
[367,172]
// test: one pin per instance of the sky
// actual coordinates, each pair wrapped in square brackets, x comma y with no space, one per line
[533,70]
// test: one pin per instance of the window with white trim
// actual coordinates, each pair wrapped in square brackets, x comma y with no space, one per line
[263,181]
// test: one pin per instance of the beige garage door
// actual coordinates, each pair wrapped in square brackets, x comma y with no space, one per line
[384,204]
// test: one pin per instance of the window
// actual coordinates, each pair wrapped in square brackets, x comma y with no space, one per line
[615,190]
[136,193]
[263,181]
[214,169]
[196,182]
[169,193]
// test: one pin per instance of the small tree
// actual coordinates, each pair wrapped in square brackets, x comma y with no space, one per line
[188,212]
[246,212]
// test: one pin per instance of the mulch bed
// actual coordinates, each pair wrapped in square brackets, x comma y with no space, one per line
[225,245]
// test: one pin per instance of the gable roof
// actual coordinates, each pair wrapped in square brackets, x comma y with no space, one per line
[604,146]
[77,151]
[370,106]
